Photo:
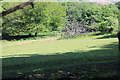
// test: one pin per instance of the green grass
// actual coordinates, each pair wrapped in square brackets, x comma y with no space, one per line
[84,57]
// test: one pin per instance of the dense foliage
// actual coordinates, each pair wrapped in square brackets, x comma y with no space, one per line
[118,5]
[28,21]
[100,17]
[76,18]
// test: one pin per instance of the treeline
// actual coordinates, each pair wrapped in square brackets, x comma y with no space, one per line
[44,17]
[71,17]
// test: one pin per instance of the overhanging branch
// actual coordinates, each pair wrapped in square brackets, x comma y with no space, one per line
[21,6]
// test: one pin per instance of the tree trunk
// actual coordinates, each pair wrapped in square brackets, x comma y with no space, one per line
[119,39]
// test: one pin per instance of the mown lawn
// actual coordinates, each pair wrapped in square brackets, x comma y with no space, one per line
[79,58]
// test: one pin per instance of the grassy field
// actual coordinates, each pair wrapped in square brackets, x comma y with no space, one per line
[81,58]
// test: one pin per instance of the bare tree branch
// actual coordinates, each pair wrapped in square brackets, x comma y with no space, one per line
[21,6]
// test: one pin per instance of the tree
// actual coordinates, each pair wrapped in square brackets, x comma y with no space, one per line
[46,16]
[118,5]
[93,16]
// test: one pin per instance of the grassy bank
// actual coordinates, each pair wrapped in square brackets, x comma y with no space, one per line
[81,57]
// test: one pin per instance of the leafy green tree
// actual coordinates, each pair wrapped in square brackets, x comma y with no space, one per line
[99,17]
[45,16]
[118,5]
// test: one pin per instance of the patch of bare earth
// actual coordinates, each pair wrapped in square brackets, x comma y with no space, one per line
[31,41]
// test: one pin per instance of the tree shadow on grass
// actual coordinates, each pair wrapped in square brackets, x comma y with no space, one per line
[108,36]
[24,37]
[87,65]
